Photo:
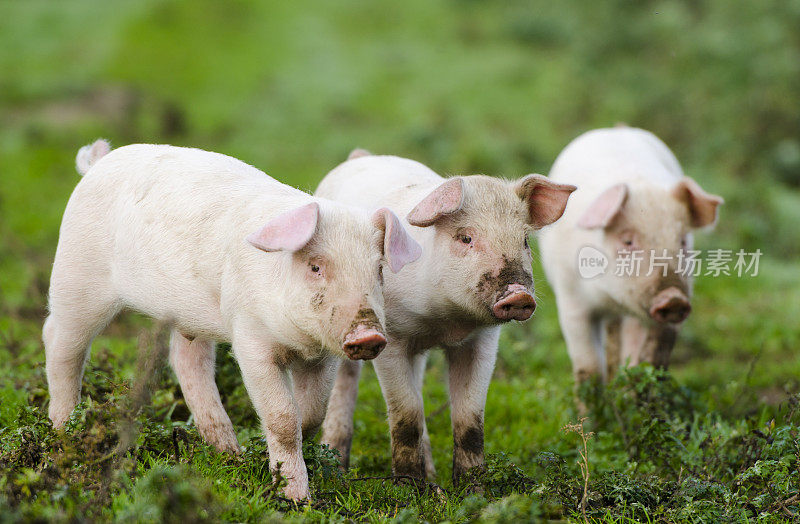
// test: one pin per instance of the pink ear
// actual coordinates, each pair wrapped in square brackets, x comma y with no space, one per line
[289,231]
[604,208]
[702,206]
[546,199]
[358,153]
[398,246]
[444,200]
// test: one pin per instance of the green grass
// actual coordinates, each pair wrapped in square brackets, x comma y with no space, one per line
[465,87]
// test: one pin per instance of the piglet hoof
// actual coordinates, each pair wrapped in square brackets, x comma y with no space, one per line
[230,448]
[407,480]
[437,491]
[430,472]
[59,421]
[296,478]
[472,488]
[422,486]
[469,481]
[221,437]
[296,493]
[224,445]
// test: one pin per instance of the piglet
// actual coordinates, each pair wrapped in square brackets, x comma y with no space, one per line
[617,303]
[221,252]
[474,275]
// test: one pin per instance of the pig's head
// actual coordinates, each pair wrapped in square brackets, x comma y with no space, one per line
[335,270]
[481,226]
[645,221]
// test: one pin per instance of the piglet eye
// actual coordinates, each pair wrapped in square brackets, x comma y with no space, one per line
[314,268]
[628,242]
[465,239]
[525,242]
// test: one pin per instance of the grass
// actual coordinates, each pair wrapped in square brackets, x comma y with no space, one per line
[466,87]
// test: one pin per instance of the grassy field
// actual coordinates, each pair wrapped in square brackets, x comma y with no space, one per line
[465,87]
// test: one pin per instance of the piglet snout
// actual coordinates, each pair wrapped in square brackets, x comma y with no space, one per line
[363,343]
[670,306]
[516,304]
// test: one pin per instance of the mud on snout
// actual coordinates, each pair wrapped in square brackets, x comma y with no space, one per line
[365,338]
[509,293]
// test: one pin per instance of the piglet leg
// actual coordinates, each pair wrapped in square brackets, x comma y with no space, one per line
[312,388]
[578,327]
[269,385]
[337,430]
[427,452]
[406,411]
[471,365]
[613,346]
[645,343]
[193,362]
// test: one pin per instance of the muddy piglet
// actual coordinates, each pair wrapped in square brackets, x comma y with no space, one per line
[221,252]
[614,260]
[473,276]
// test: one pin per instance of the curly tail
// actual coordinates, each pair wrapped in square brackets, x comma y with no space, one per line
[88,155]
[358,153]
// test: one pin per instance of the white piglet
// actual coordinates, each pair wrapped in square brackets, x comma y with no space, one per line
[614,260]
[474,275]
[220,252]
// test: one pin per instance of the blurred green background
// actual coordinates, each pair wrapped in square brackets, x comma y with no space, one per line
[496,87]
